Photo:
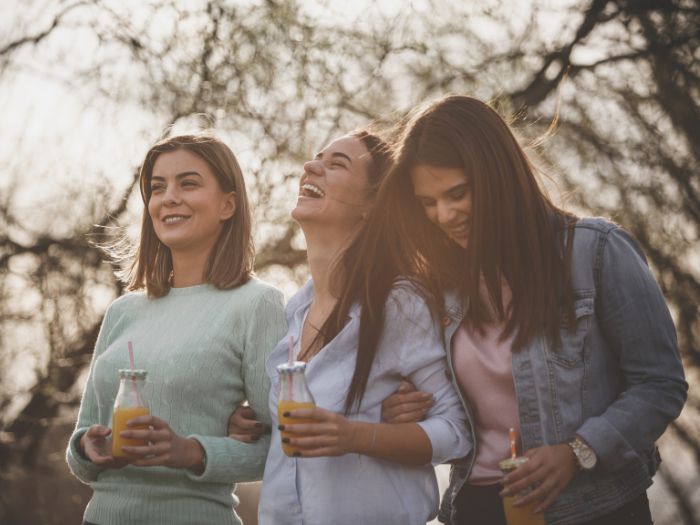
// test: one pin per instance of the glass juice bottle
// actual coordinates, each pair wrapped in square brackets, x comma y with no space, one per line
[128,405]
[519,515]
[293,394]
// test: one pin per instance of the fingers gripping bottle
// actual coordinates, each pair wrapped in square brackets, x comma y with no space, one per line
[294,393]
[128,405]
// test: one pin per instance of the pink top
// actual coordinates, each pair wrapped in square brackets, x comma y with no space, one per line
[484,370]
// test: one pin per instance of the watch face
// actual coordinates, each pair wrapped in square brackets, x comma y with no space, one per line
[586,457]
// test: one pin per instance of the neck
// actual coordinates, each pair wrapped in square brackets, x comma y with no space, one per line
[188,267]
[324,247]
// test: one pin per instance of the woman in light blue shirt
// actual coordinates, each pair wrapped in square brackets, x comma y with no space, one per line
[352,468]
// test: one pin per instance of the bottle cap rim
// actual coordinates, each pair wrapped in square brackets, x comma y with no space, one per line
[294,366]
[128,373]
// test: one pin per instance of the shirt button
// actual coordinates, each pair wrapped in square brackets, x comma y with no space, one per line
[446,320]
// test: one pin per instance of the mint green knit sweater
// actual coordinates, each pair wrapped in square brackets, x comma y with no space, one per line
[204,350]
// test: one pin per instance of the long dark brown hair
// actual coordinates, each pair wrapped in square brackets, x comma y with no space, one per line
[516,234]
[231,260]
[351,258]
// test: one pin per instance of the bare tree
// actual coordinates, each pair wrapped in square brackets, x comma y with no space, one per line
[277,80]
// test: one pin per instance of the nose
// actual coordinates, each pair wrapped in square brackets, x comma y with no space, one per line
[171,196]
[314,167]
[445,213]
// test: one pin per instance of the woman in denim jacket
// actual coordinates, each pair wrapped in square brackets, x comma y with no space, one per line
[554,325]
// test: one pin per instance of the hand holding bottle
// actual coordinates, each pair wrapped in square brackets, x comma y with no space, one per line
[164,446]
[96,446]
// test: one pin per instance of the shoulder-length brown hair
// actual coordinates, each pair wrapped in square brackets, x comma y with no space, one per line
[231,260]
[516,233]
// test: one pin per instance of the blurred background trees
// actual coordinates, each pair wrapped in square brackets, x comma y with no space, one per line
[87,85]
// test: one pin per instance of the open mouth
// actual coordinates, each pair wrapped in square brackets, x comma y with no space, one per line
[459,231]
[311,190]
[174,219]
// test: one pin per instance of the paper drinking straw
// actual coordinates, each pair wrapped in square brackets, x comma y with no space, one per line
[131,355]
[133,379]
[290,341]
[511,438]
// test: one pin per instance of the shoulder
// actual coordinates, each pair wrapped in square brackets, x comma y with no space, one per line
[602,234]
[405,289]
[407,301]
[258,289]
[595,225]
[127,302]
[250,298]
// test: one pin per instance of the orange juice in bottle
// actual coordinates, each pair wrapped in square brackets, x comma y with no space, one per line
[519,515]
[128,405]
[293,394]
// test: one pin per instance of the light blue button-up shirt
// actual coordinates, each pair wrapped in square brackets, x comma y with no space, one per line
[354,488]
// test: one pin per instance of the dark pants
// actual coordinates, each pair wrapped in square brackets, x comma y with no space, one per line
[481,505]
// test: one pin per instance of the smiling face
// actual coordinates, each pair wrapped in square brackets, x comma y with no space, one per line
[446,197]
[186,204]
[333,189]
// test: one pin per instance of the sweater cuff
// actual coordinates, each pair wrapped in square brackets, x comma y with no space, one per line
[231,461]
[84,469]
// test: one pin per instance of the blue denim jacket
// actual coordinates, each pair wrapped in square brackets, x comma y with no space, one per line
[617,381]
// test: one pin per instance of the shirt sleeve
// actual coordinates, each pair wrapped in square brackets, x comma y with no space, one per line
[637,326]
[411,329]
[229,460]
[88,415]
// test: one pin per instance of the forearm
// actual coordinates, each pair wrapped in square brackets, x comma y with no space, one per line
[405,443]
[228,460]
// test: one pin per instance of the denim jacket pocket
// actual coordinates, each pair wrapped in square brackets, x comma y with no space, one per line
[571,352]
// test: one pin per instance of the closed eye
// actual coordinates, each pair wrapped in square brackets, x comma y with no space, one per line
[459,192]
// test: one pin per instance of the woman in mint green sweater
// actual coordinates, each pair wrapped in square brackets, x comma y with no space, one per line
[201,326]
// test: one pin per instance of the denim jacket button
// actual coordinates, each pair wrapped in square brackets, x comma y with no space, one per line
[446,320]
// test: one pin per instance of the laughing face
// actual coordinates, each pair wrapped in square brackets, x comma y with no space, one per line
[332,190]
[187,205]
[446,197]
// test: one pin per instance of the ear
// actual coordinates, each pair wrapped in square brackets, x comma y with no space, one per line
[228,206]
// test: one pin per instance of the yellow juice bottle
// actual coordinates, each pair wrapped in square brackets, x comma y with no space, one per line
[519,515]
[128,405]
[294,394]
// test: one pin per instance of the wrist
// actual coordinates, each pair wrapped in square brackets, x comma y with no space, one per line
[81,447]
[196,456]
[362,440]
[584,456]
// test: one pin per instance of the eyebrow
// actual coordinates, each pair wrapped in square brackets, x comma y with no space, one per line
[335,154]
[178,176]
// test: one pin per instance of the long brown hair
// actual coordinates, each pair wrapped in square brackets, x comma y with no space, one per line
[517,234]
[231,260]
[348,262]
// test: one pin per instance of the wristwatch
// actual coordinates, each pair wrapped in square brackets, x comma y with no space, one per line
[585,455]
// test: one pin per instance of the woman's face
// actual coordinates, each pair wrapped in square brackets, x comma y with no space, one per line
[446,197]
[333,189]
[187,205]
